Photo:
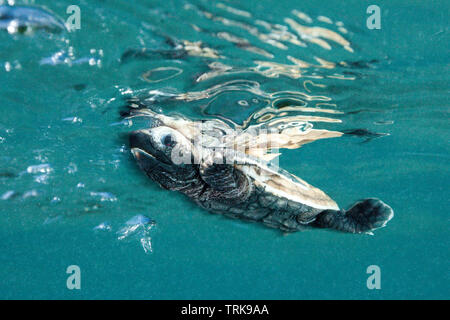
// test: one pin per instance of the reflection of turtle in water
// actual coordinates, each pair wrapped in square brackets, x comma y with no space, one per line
[178,50]
[250,188]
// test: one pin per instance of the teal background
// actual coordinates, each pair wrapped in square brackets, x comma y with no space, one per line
[197,255]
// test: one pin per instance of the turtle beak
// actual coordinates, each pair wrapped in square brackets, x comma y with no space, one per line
[142,149]
[146,161]
[147,156]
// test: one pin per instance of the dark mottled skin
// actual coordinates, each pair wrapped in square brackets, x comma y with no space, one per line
[240,199]
[264,207]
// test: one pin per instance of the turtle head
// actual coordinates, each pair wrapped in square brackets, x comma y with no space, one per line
[166,156]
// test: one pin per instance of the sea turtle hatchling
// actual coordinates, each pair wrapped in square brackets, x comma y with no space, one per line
[249,187]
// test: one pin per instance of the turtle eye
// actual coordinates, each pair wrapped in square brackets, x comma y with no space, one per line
[168,141]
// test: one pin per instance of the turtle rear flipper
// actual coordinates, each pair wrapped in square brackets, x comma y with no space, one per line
[362,217]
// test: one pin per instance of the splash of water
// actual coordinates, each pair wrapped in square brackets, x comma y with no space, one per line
[138,227]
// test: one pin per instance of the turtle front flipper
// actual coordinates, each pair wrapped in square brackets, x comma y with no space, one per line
[226,181]
[362,217]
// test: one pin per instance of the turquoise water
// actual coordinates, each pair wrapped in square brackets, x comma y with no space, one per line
[71,193]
